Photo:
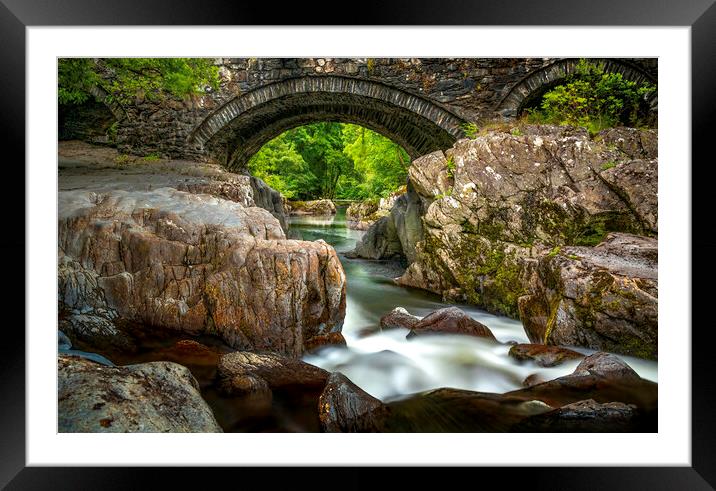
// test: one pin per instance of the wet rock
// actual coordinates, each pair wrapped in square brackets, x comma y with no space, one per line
[344,407]
[603,297]
[607,366]
[201,264]
[586,417]
[533,379]
[398,318]
[602,377]
[454,410]
[150,397]
[316,207]
[244,372]
[450,320]
[330,339]
[543,355]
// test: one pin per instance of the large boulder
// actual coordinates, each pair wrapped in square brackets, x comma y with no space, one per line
[244,372]
[450,320]
[603,297]
[155,397]
[485,211]
[319,207]
[197,263]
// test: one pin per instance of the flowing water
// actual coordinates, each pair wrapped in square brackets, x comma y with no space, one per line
[389,366]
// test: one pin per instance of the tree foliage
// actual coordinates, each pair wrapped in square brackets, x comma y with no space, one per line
[331,160]
[595,99]
[125,79]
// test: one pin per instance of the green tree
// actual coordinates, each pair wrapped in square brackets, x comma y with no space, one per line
[125,79]
[331,160]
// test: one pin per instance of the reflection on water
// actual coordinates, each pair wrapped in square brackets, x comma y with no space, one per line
[386,364]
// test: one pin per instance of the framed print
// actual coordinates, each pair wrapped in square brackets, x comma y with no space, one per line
[427,244]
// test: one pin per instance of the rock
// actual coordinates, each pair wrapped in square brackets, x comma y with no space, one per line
[150,397]
[450,320]
[84,315]
[585,417]
[317,207]
[533,379]
[635,183]
[635,143]
[379,242]
[430,175]
[603,297]
[394,235]
[190,352]
[478,217]
[198,264]
[243,372]
[320,341]
[453,410]
[344,407]
[63,342]
[269,199]
[87,355]
[602,377]
[361,215]
[607,366]
[398,318]
[543,355]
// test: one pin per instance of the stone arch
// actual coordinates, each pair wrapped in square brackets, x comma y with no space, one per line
[536,83]
[241,126]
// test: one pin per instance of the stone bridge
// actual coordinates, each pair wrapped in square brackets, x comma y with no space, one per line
[419,103]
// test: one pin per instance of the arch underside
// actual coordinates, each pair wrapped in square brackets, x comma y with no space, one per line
[534,85]
[244,125]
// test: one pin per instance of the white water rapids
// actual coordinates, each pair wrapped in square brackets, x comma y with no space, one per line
[389,366]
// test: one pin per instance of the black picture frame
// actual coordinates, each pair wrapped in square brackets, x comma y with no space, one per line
[16,15]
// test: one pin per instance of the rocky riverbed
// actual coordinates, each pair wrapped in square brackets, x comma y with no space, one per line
[183,306]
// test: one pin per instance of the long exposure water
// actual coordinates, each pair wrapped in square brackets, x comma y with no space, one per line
[389,366]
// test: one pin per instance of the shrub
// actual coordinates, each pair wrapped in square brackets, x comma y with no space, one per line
[595,99]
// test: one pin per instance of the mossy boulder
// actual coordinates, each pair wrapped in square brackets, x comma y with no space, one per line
[506,200]
[603,297]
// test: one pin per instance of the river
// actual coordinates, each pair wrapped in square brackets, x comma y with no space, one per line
[389,366]
[384,364]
